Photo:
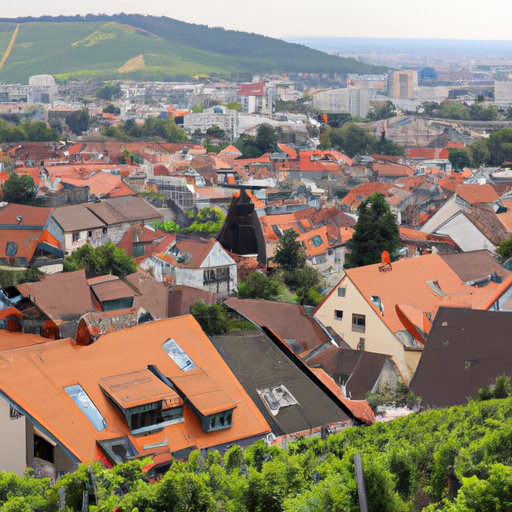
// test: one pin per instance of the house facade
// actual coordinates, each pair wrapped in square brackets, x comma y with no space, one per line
[198,263]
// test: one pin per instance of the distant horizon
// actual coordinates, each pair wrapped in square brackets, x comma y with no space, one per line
[461,20]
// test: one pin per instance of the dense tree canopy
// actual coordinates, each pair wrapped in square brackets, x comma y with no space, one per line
[152,128]
[381,110]
[258,286]
[33,131]
[105,259]
[294,271]
[376,231]
[78,121]
[451,460]
[110,91]
[354,140]
[19,189]
[289,254]
[459,158]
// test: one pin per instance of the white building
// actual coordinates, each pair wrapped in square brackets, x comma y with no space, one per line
[355,102]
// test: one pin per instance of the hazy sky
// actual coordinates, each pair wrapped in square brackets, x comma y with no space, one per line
[452,19]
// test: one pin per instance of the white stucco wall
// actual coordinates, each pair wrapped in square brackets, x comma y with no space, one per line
[13,453]
[464,233]
[378,338]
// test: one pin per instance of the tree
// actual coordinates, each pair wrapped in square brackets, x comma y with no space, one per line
[381,110]
[387,147]
[479,112]
[266,138]
[479,153]
[289,254]
[112,109]
[110,91]
[504,249]
[215,132]
[500,146]
[352,140]
[259,286]
[19,189]
[454,110]
[212,318]
[304,280]
[459,158]
[376,231]
[105,259]
[78,121]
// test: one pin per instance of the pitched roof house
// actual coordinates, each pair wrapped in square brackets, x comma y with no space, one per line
[465,350]
[284,390]
[168,394]
[470,227]
[390,312]
[195,262]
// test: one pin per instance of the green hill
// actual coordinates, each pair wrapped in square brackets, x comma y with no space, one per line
[147,47]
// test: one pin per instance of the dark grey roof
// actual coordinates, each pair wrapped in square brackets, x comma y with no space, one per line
[241,350]
[465,350]
[474,264]
[358,370]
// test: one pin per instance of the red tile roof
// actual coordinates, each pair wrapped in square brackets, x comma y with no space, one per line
[31,215]
[475,194]
[256,89]
[427,153]
[361,192]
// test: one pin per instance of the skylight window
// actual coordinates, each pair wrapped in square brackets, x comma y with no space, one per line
[86,405]
[275,398]
[178,355]
[11,249]
[317,240]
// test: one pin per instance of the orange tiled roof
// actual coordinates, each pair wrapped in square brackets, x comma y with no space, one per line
[407,284]
[361,192]
[42,395]
[475,194]
[359,408]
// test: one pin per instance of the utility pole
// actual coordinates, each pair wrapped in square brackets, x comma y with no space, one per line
[361,488]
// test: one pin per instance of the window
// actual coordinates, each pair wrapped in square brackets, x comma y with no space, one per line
[145,421]
[76,237]
[219,421]
[118,450]
[338,315]
[11,249]
[358,323]
[14,414]
[89,234]
[178,355]
[342,291]
[317,240]
[86,405]
[43,449]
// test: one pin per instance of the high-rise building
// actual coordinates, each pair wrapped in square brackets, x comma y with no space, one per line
[401,84]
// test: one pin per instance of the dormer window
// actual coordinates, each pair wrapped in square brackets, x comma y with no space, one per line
[147,403]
